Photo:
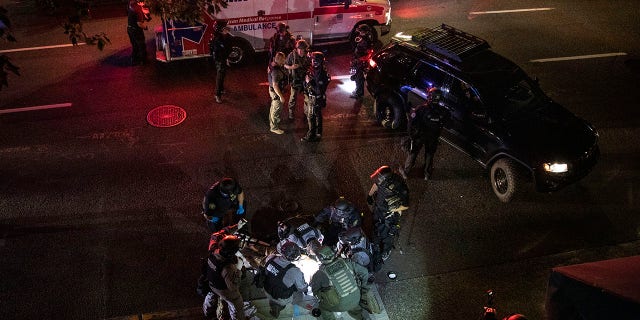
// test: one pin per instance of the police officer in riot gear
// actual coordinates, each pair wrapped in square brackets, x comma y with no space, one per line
[341,215]
[282,41]
[224,279]
[220,49]
[315,87]
[425,125]
[361,55]
[301,233]
[389,197]
[340,285]
[297,63]
[223,196]
[283,279]
[354,245]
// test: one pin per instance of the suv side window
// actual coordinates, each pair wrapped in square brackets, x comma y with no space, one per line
[428,76]
[462,95]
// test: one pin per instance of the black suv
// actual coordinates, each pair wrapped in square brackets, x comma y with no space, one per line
[500,116]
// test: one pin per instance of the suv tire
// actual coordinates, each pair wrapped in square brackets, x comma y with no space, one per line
[389,111]
[506,179]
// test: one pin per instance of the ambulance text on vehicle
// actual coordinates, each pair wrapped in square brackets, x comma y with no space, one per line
[253,23]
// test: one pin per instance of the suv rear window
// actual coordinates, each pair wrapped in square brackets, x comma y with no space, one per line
[396,63]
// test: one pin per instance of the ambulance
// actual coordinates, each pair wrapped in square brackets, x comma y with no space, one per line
[253,23]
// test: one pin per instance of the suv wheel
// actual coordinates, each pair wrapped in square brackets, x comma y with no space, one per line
[389,111]
[505,179]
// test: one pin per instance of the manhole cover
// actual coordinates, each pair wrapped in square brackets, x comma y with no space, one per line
[166,116]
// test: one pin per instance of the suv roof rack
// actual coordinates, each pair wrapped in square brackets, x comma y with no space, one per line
[449,42]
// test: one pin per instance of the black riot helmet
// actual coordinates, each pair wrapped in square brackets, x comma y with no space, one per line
[284,230]
[281,27]
[434,95]
[326,254]
[227,186]
[381,175]
[343,207]
[220,25]
[228,246]
[317,59]
[351,236]
[288,250]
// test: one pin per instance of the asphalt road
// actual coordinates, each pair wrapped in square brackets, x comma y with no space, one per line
[99,211]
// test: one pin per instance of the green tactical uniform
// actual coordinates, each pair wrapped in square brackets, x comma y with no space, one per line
[339,285]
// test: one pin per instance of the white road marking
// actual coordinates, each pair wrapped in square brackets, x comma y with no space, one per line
[589,56]
[43,107]
[511,11]
[41,48]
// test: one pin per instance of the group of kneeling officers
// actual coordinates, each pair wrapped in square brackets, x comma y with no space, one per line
[333,237]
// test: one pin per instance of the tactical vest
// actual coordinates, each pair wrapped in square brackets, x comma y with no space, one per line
[274,284]
[342,278]
[214,273]
[283,76]
[305,233]
[389,193]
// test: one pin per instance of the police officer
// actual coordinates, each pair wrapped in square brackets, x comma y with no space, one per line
[277,77]
[220,48]
[362,52]
[315,87]
[297,63]
[281,41]
[224,279]
[301,233]
[354,245]
[223,196]
[425,125]
[339,285]
[136,24]
[389,197]
[341,215]
[283,279]
[213,301]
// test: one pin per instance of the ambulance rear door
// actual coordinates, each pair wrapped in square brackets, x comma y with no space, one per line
[300,18]
[332,20]
[268,14]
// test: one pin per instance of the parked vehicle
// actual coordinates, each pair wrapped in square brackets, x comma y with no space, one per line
[253,23]
[500,116]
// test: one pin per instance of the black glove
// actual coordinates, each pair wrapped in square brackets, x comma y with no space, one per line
[370,200]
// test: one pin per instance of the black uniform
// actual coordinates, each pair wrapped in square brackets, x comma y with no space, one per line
[337,221]
[281,42]
[363,49]
[392,193]
[136,33]
[220,47]
[425,125]
[315,99]
[217,203]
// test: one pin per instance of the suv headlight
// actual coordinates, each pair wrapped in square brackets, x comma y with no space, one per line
[556,167]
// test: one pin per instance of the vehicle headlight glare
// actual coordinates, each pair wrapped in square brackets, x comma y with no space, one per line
[556,167]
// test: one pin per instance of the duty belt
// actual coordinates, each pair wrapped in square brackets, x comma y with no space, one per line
[316,96]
